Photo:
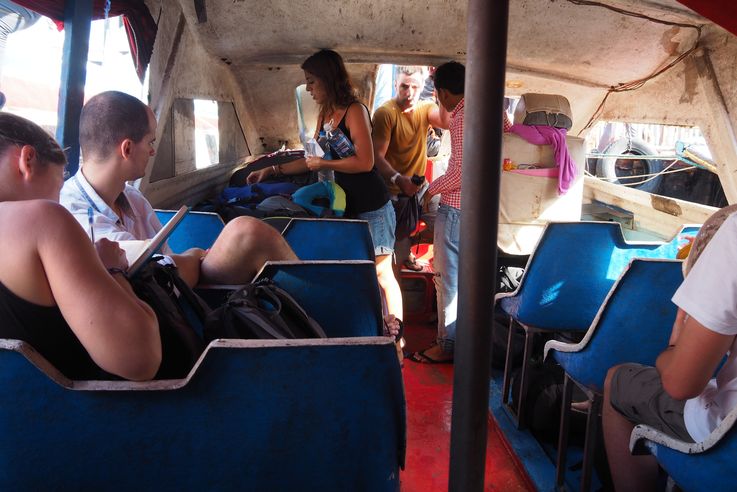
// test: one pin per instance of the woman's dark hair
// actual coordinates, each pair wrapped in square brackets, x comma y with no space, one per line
[328,66]
[16,130]
[450,76]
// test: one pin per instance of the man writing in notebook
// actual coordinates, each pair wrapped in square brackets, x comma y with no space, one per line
[117,135]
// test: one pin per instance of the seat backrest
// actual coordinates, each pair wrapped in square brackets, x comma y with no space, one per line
[329,239]
[255,414]
[342,296]
[197,230]
[571,271]
[633,324]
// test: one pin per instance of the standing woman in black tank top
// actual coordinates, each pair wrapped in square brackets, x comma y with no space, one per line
[367,197]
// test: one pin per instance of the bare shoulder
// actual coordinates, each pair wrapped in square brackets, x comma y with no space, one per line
[40,221]
[427,106]
[357,112]
[33,207]
[27,230]
[35,212]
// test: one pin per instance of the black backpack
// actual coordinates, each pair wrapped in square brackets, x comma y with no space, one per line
[261,311]
[181,315]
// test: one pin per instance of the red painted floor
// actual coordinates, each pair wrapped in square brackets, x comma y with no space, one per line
[429,396]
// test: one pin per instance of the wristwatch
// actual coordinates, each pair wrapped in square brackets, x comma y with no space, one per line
[394,178]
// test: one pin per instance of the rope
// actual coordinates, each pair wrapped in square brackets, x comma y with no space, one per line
[640,176]
[645,157]
[636,84]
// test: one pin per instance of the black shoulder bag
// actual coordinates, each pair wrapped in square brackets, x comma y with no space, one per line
[181,315]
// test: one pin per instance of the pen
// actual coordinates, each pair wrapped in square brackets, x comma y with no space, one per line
[90,216]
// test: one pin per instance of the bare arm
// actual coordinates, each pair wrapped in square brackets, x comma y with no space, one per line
[688,364]
[439,117]
[382,165]
[297,166]
[404,183]
[118,330]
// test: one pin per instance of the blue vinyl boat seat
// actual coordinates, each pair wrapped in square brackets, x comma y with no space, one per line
[197,230]
[311,239]
[567,277]
[342,296]
[329,239]
[706,465]
[632,325]
[275,415]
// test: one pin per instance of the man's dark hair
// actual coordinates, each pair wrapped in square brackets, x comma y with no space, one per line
[109,118]
[450,76]
[328,66]
[15,130]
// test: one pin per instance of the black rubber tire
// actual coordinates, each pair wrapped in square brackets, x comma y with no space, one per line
[612,168]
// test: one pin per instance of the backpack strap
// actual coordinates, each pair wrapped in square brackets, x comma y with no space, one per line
[288,303]
[195,310]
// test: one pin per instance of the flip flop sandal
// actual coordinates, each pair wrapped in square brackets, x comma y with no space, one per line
[422,358]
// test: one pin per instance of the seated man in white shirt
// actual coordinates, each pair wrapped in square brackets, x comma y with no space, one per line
[679,396]
[117,134]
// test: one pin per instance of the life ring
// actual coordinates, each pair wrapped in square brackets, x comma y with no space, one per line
[612,169]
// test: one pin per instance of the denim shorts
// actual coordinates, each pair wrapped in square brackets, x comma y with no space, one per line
[382,222]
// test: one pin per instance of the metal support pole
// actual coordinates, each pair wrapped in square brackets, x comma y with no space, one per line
[77,19]
[482,148]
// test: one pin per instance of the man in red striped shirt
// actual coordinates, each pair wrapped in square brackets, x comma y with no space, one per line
[449,80]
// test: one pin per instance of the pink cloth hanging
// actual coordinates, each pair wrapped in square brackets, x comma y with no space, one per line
[548,135]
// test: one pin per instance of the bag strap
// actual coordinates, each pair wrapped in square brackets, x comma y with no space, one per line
[254,316]
[294,306]
[244,305]
[193,307]
[275,316]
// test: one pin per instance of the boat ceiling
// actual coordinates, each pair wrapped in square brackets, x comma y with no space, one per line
[567,39]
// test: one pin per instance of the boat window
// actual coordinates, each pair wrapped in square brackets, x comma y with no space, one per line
[31,71]
[30,65]
[206,134]
[384,85]
[200,133]
[667,160]
[307,111]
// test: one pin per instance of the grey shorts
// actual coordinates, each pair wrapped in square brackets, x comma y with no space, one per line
[382,222]
[637,393]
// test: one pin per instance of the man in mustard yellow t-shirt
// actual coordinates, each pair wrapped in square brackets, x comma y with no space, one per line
[400,128]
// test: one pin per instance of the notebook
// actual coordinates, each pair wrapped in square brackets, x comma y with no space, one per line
[139,252]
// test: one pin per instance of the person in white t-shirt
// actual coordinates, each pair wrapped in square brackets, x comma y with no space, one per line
[679,396]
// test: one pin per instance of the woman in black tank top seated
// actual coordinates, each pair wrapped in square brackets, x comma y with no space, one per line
[58,291]
[367,197]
